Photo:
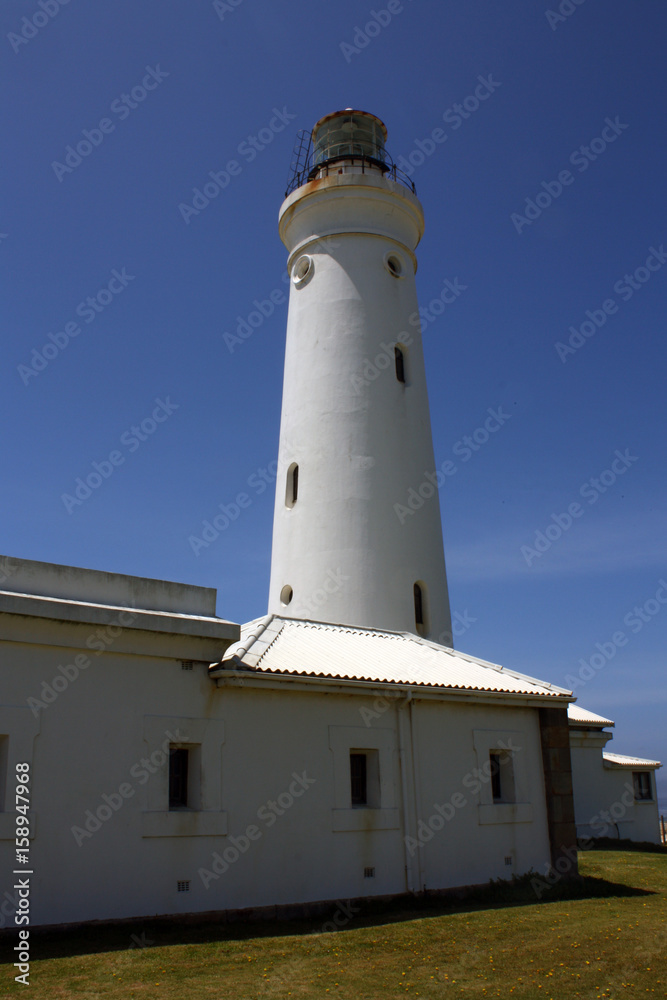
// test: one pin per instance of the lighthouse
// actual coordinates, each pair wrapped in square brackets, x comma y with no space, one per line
[357,537]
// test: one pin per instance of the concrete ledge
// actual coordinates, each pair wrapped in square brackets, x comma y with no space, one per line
[72,583]
[184,824]
[505,812]
[103,614]
[343,820]
[110,639]
[108,614]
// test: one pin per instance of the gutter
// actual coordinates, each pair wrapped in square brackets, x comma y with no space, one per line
[407,823]
[416,788]
[270,680]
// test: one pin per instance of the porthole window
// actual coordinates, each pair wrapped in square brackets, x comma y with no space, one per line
[302,270]
[292,485]
[286,595]
[394,265]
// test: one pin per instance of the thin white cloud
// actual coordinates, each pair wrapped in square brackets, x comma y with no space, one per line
[623,697]
[611,545]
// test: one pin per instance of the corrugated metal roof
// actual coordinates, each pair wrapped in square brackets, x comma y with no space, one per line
[621,760]
[576,714]
[279,645]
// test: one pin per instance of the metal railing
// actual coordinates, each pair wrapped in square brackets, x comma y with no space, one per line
[304,168]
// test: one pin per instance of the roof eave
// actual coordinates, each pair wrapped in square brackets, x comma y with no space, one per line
[244,676]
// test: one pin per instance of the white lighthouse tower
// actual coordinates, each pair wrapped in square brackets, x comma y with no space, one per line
[357,538]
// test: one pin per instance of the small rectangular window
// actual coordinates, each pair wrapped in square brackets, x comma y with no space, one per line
[358,779]
[179,759]
[641,781]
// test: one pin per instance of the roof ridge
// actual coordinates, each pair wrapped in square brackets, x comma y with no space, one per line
[240,649]
[498,667]
[390,633]
[275,637]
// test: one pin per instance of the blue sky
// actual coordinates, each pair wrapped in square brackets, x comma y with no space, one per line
[580,92]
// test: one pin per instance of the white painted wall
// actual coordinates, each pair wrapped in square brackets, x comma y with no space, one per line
[480,836]
[91,739]
[362,439]
[604,804]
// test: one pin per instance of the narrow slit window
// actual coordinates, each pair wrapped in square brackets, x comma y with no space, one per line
[292,485]
[358,779]
[399,360]
[419,605]
[178,778]
[496,785]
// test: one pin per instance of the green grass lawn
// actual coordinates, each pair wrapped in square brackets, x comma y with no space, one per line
[603,937]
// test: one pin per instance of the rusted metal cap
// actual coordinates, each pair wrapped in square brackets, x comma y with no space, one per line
[350,111]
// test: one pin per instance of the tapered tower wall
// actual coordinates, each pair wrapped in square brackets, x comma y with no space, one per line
[361,437]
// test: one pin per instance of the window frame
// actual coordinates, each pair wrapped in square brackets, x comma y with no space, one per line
[381,812]
[637,789]
[516,743]
[204,816]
